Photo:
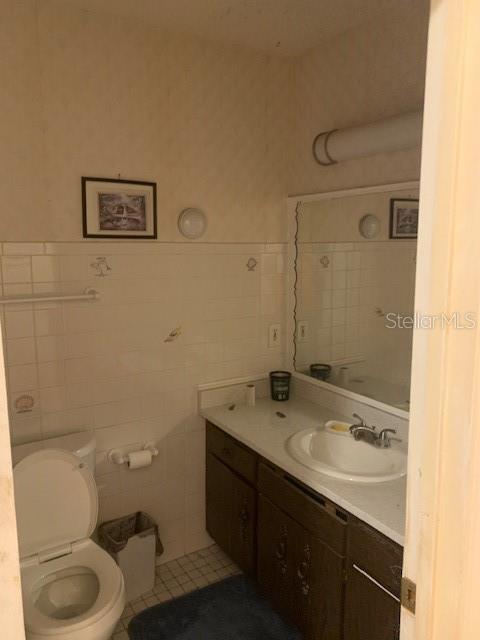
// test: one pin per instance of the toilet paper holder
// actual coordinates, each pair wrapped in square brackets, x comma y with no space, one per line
[120,455]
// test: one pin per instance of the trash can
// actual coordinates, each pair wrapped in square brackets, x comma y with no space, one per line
[133,542]
[280,385]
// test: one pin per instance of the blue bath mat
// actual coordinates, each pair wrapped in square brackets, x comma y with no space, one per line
[228,610]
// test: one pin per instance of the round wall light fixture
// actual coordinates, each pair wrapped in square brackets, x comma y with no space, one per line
[192,223]
[369,226]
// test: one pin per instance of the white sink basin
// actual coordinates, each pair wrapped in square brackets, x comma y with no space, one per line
[341,456]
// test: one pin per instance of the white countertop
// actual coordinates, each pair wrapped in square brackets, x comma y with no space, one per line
[381,505]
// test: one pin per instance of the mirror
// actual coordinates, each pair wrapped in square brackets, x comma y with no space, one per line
[355,282]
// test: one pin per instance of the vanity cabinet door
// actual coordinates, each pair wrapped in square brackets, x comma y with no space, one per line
[277,541]
[243,524]
[371,612]
[319,589]
[299,574]
[231,513]
[218,502]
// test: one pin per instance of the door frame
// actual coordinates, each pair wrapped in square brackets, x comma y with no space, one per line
[11,607]
[442,554]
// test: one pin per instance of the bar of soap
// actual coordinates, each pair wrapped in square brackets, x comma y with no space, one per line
[337,426]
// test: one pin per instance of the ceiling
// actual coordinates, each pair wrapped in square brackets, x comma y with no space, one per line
[283,27]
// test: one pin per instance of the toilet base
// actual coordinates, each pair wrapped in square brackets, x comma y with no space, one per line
[101,630]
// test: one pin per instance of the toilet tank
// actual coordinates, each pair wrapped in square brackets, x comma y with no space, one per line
[82,444]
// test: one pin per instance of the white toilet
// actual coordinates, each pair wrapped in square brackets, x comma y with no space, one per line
[72,589]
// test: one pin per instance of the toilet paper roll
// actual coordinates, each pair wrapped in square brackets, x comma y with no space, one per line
[139,459]
[343,376]
[250,395]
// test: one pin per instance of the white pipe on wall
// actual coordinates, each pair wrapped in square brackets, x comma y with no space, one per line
[392,134]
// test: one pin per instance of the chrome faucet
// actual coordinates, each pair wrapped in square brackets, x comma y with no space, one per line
[361,431]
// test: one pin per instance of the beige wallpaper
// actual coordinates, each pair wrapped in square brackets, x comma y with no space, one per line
[94,95]
[358,77]
[217,127]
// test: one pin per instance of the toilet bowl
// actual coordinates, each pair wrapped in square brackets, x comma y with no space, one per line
[72,589]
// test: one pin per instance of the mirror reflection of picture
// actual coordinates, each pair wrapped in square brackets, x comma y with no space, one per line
[403,218]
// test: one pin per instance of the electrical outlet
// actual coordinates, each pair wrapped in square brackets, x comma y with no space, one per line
[302,331]
[274,335]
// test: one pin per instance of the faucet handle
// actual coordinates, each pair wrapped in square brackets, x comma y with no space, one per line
[383,432]
[384,438]
[361,423]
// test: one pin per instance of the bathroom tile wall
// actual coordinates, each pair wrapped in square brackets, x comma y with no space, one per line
[345,291]
[105,365]
[347,285]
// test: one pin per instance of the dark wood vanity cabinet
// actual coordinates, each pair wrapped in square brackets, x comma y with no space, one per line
[370,613]
[374,575]
[231,502]
[332,575]
[297,569]
[300,575]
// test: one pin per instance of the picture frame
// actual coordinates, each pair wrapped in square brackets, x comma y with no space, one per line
[404,218]
[114,208]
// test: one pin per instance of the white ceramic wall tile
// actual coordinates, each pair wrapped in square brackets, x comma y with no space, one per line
[22,377]
[106,365]
[23,248]
[349,300]
[21,351]
[19,324]
[45,268]
[16,269]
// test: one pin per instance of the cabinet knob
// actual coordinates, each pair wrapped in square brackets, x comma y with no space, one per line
[302,570]
[396,570]
[280,550]
[243,515]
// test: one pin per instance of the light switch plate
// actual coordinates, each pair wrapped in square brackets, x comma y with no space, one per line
[302,331]
[274,335]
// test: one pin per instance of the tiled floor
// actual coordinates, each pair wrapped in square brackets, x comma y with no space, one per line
[177,577]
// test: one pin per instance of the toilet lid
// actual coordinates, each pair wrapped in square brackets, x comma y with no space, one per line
[56,501]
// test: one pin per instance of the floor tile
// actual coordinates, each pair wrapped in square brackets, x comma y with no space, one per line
[178,577]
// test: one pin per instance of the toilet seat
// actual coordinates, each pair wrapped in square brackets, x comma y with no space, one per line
[56,501]
[84,554]
[72,589]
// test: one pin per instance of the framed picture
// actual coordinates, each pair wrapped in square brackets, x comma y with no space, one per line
[403,218]
[119,208]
